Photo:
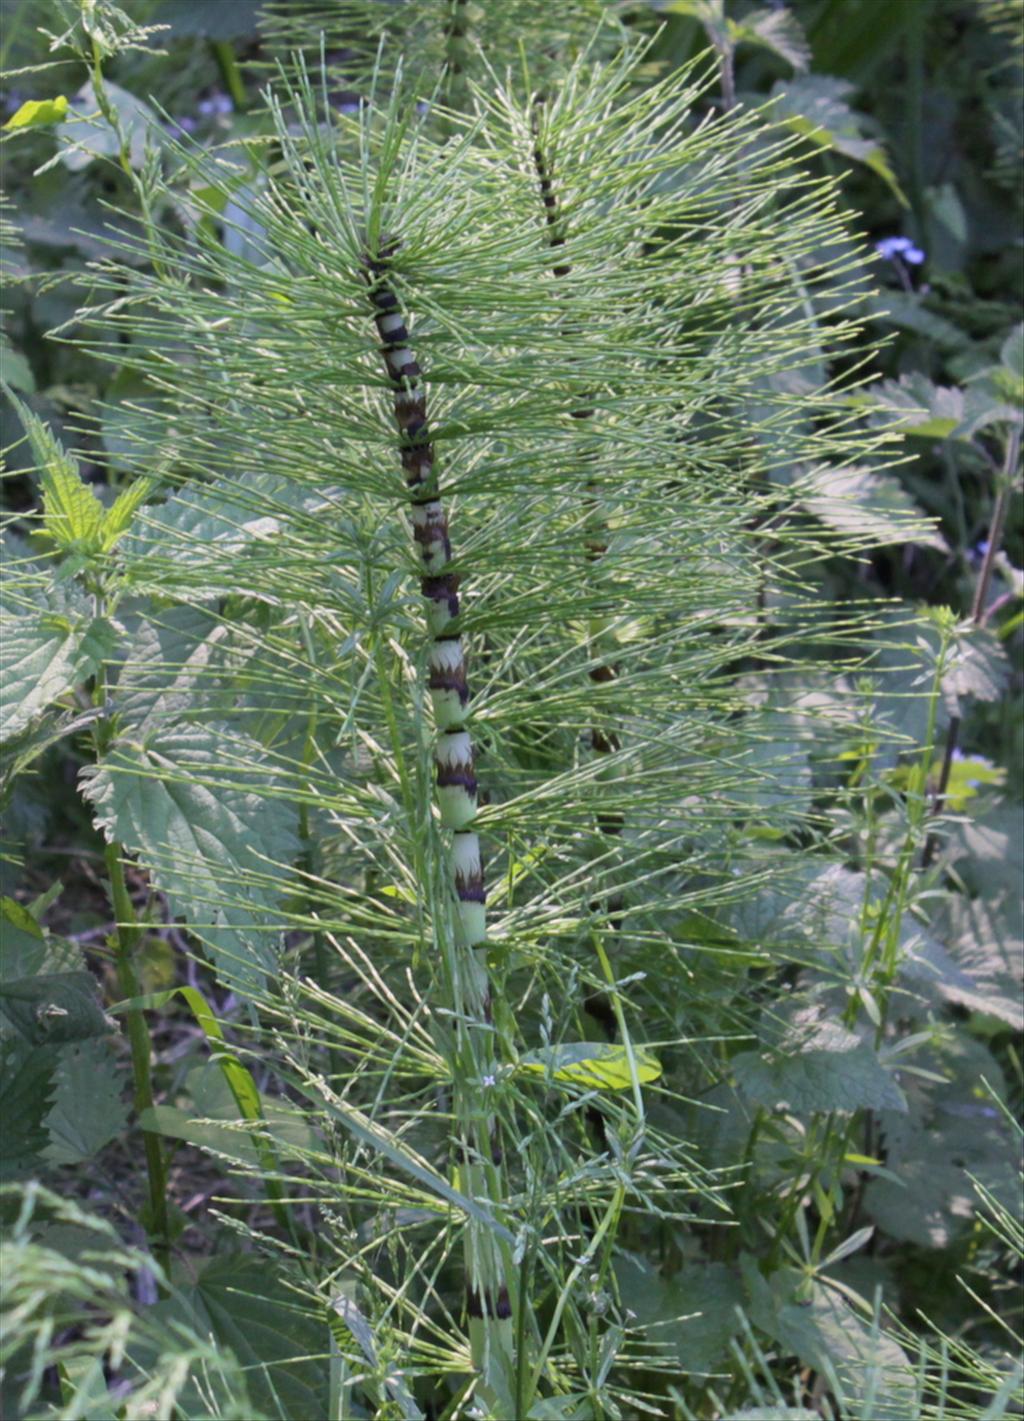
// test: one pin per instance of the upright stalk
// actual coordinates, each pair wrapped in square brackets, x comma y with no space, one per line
[126,944]
[995,537]
[138,1039]
[474,1067]
[603,671]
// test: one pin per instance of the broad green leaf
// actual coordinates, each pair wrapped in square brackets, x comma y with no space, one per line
[85,134]
[977,667]
[45,653]
[592,1065]
[176,1124]
[908,311]
[118,517]
[72,514]
[89,1109]
[213,1101]
[238,1078]
[35,113]
[26,1091]
[952,1132]
[166,663]
[990,955]
[1012,352]
[83,1389]
[874,508]
[14,367]
[693,1312]
[990,859]
[278,1337]
[54,1008]
[815,105]
[925,410]
[212,19]
[819,1066]
[192,802]
[28,949]
[777,30]
[826,1333]
[975,976]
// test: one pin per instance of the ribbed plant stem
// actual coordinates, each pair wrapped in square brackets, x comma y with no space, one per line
[138,1040]
[474,1068]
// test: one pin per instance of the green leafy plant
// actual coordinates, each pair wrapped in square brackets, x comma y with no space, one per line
[563,1049]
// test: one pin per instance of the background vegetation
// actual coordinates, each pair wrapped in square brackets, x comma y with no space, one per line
[720,1117]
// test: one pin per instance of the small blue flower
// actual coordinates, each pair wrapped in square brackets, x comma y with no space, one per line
[893,247]
[216,106]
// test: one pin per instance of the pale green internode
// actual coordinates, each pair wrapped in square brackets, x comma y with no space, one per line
[457,802]
[467,868]
[447,662]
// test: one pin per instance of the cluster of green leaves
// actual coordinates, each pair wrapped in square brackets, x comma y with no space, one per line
[742,1198]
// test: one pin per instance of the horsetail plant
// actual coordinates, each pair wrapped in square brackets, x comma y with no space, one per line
[603,431]
[473,1067]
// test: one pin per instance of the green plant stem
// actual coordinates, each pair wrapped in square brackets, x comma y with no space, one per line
[997,526]
[474,1070]
[139,1041]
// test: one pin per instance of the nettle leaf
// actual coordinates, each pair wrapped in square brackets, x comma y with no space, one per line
[37,113]
[1011,353]
[826,1333]
[221,520]
[989,956]
[952,1132]
[26,1090]
[28,948]
[819,1066]
[89,1109]
[248,1306]
[874,507]
[54,1008]
[815,105]
[777,30]
[118,517]
[907,311]
[977,667]
[196,804]
[595,1065]
[693,1314]
[15,366]
[45,653]
[72,514]
[925,410]
[165,663]
[931,971]
[990,858]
